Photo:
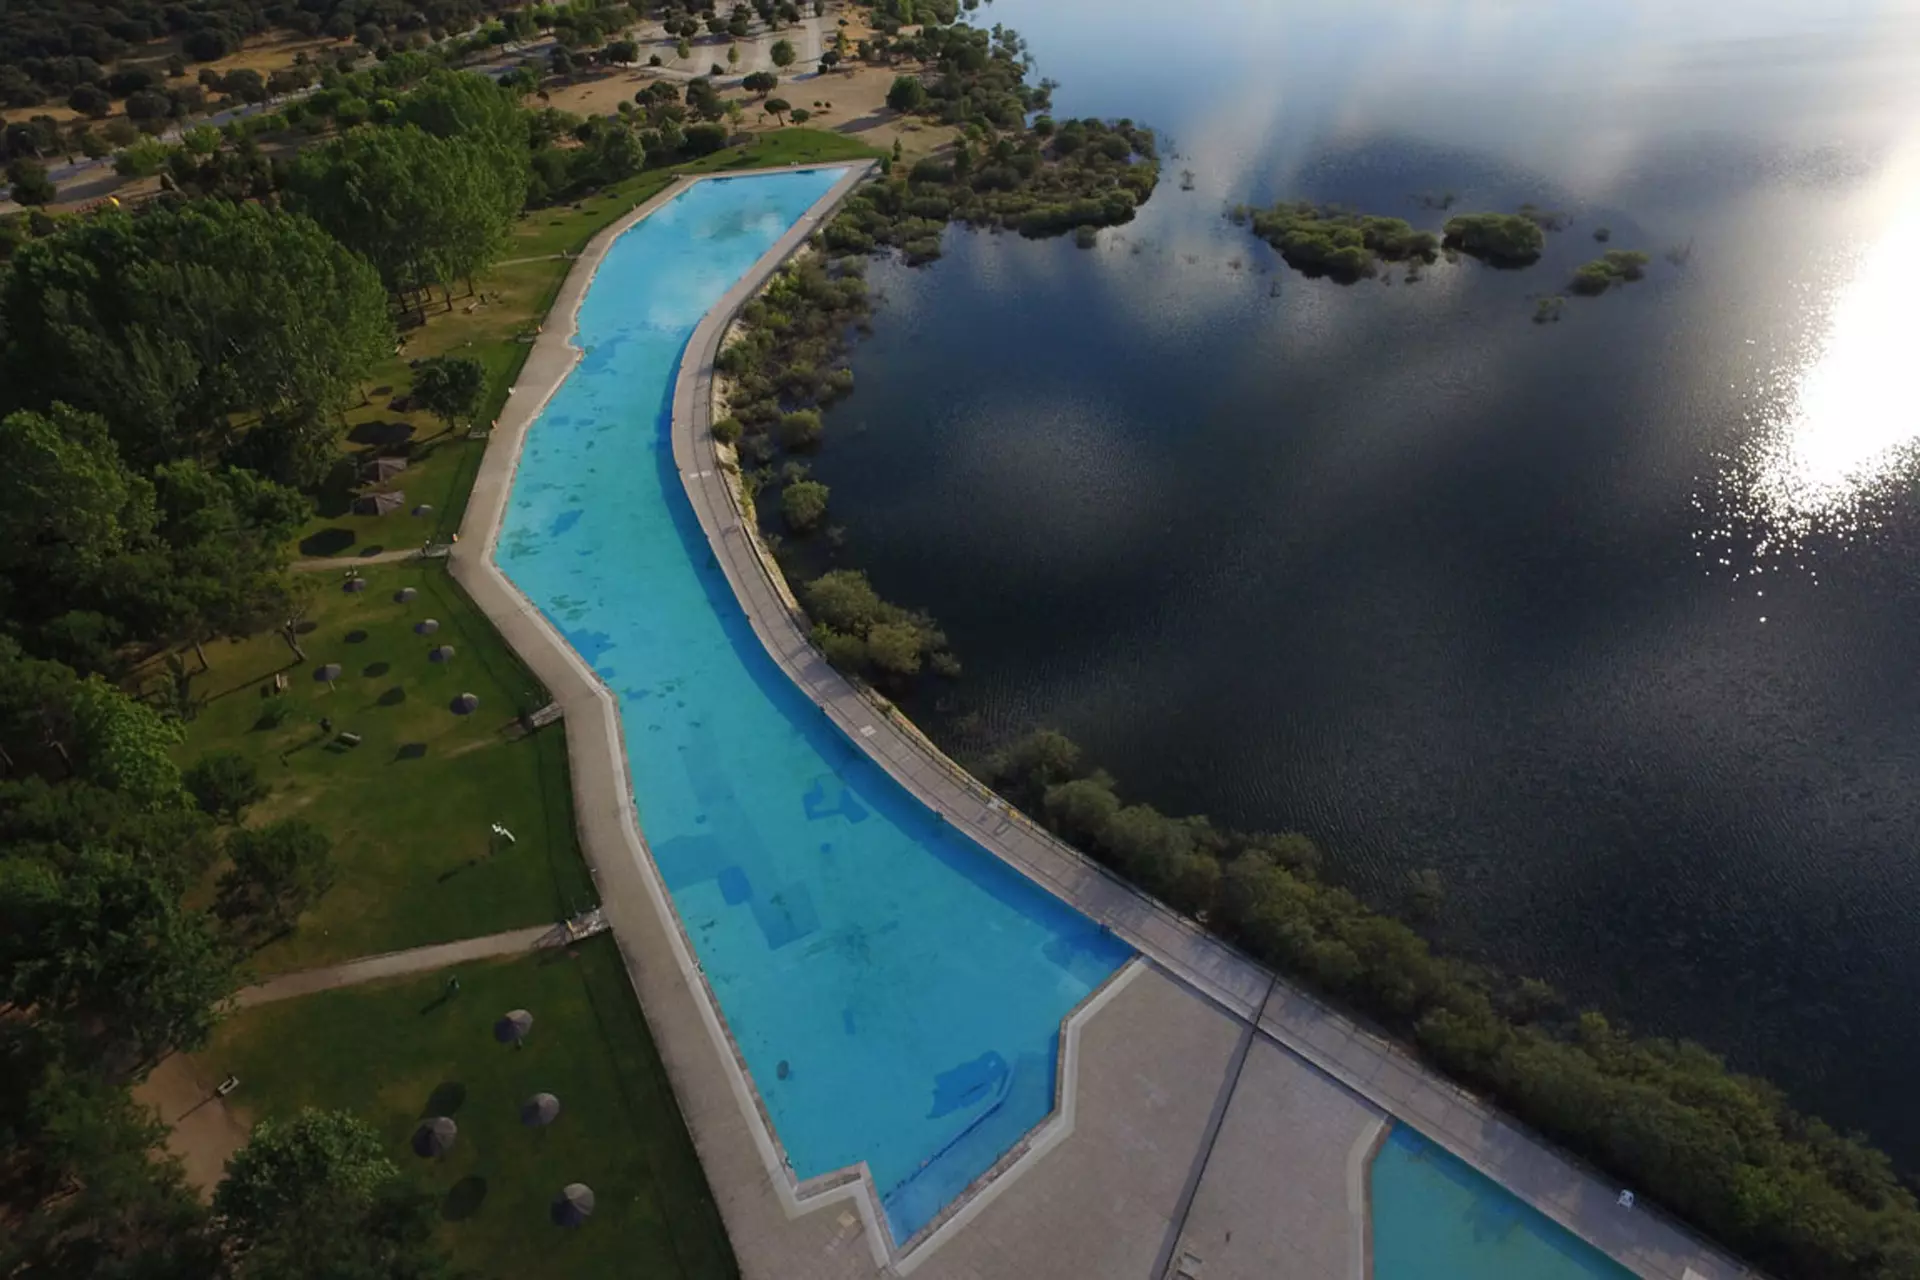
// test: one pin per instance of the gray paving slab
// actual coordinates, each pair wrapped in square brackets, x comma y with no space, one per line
[1284,1197]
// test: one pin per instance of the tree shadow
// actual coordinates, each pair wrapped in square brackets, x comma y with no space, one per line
[447,1097]
[355,636]
[381,434]
[411,751]
[464,1199]
[392,697]
[374,670]
[329,541]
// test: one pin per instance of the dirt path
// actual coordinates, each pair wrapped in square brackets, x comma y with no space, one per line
[344,563]
[203,1129]
[417,960]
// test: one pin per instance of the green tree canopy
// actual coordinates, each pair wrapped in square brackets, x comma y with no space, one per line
[286,1164]
[278,872]
[190,327]
[450,387]
[425,210]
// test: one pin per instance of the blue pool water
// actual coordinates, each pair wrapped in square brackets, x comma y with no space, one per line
[897,991]
[1436,1219]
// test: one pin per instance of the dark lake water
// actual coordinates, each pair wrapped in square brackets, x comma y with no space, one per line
[1610,622]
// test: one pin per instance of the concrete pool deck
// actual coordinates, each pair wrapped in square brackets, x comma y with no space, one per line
[1197,1076]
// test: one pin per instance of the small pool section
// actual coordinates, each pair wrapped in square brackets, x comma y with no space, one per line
[1434,1218]
[896,991]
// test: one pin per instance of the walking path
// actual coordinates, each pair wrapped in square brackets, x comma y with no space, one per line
[418,960]
[346,563]
[721,1109]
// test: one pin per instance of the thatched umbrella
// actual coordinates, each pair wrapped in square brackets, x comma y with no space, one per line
[406,595]
[539,1111]
[327,673]
[440,653]
[573,1206]
[513,1028]
[427,626]
[352,585]
[434,1137]
[466,704]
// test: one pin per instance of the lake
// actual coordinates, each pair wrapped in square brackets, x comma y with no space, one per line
[1609,622]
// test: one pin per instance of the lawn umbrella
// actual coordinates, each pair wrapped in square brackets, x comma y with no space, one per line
[327,672]
[513,1028]
[440,653]
[423,510]
[434,1137]
[427,626]
[466,704]
[539,1111]
[354,584]
[573,1206]
[405,595]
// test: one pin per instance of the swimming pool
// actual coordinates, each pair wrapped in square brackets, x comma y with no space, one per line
[1434,1218]
[895,990]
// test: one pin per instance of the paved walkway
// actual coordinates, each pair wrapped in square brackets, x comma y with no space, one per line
[763,1212]
[321,564]
[416,960]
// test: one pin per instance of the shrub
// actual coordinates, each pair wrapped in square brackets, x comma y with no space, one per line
[727,431]
[1503,239]
[705,138]
[907,94]
[224,783]
[847,653]
[1616,266]
[803,505]
[800,429]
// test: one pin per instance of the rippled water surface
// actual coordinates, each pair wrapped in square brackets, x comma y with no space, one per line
[1611,622]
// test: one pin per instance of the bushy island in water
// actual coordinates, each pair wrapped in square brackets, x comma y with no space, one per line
[1326,240]
[1616,266]
[785,358]
[1665,1117]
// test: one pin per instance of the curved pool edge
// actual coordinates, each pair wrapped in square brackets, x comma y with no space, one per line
[722,1110]
[676,997]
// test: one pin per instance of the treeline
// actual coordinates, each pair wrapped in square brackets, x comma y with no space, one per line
[172,381]
[1668,1118]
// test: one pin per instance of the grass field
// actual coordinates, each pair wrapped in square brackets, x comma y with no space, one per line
[498,332]
[399,1051]
[410,807]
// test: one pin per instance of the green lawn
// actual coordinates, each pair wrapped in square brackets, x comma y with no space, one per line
[398,1051]
[410,807]
[498,333]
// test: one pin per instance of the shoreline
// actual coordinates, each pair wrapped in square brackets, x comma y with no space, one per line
[1366,1065]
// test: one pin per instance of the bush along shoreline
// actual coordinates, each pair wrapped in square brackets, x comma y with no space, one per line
[784,359]
[1721,1150]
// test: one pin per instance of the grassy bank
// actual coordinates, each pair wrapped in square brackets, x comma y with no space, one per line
[399,1051]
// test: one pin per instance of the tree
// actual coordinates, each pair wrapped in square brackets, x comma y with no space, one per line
[779,107]
[124,745]
[682,50]
[424,210]
[103,942]
[733,55]
[735,113]
[192,328]
[800,429]
[704,100]
[782,54]
[623,52]
[278,872]
[90,100]
[907,94]
[224,783]
[801,115]
[68,507]
[286,1165]
[760,82]
[803,504]
[29,184]
[450,387]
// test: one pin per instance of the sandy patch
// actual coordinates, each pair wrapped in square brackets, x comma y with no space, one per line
[203,1130]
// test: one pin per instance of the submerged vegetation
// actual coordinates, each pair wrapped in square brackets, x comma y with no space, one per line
[1665,1117]
[786,357]
[1325,241]
[1616,266]
[1503,239]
